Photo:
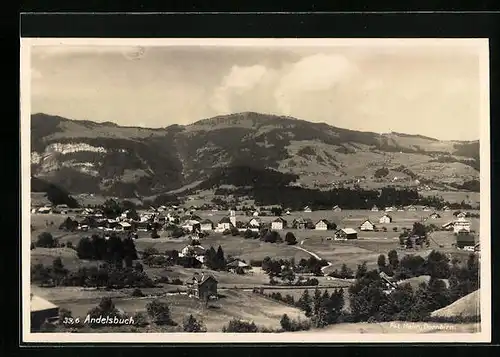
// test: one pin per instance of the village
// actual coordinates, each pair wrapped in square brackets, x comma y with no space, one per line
[326,243]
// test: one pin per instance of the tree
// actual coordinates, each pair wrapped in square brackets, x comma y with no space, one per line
[236,325]
[381,262]
[304,303]
[393,259]
[362,270]
[154,233]
[290,238]
[46,240]
[285,323]
[190,324]
[366,296]
[276,211]
[419,229]
[345,272]
[159,312]
[111,208]
[437,265]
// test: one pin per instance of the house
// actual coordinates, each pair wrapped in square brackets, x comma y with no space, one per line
[288,212]
[253,223]
[278,224]
[41,311]
[256,213]
[307,209]
[426,208]
[224,224]
[347,233]
[435,215]
[301,223]
[206,225]
[337,209]
[401,209]
[411,208]
[385,219]
[45,210]
[446,208]
[462,215]
[124,226]
[374,209]
[461,224]
[191,225]
[390,209]
[465,239]
[322,225]
[367,226]
[191,251]
[203,287]
[238,264]
[142,226]
[448,225]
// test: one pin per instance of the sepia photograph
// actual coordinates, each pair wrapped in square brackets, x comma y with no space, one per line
[255,190]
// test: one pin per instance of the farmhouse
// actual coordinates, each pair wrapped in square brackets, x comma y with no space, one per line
[253,223]
[322,225]
[446,208]
[192,250]
[374,209]
[307,209]
[278,224]
[45,210]
[347,233]
[448,225]
[191,225]
[385,219]
[238,264]
[301,223]
[224,224]
[435,215]
[426,208]
[143,226]
[287,212]
[462,215]
[367,226]
[202,286]
[390,209]
[255,214]
[206,225]
[124,226]
[411,208]
[337,209]
[41,311]
[461,224]
[465,239]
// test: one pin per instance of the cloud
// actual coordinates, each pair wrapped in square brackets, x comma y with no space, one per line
[238,81]
[313,73]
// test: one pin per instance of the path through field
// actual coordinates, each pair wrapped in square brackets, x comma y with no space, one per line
[314,255]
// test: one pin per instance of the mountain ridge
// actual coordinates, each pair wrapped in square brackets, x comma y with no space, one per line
[90,157]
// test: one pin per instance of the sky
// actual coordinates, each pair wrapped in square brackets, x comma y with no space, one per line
[427,90]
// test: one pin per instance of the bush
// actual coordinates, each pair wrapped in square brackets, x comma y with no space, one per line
[290,325]
[192,325]
[46,240]
[395,229]
[290,238]
[226,232]
[159,312]
[177,232]
[176,281]
[236,325]
[255,263]
[141,319]
[137,293]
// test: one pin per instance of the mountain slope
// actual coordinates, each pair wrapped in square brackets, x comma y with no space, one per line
[84,156]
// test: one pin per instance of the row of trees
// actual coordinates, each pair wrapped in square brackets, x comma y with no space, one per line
[105,275]
[112,249]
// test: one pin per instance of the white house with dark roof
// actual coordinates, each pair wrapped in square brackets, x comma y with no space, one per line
[385,219]
[224,224]
[321,225]
[367,226]
[374,209]
[278,224]
[206,225]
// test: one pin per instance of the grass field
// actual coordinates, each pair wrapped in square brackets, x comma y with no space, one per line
[232,304]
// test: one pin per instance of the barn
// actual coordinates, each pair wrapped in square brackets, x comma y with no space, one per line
[347,233]
[202,287]
[385,219]
[41,311]
[465,239]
